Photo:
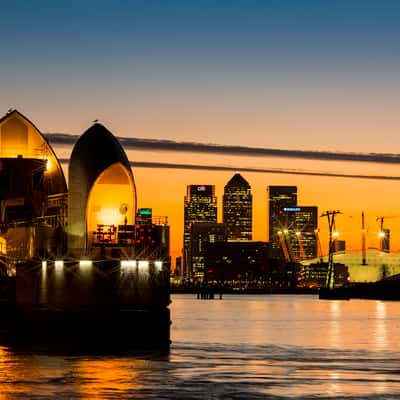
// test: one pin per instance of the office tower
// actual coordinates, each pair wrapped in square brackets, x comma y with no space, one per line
[202,234]
[237,209]
[200,206]
[298,238]
[278,198]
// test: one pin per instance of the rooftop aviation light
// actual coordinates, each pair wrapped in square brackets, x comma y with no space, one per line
[59,264]
[85,263]
[158,265]
[128,263]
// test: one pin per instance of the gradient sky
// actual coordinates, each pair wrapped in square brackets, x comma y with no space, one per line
[294,74]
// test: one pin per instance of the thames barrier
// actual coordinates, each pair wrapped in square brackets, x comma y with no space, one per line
[80,264]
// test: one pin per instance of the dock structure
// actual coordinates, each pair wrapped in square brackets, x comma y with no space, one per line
[74,263]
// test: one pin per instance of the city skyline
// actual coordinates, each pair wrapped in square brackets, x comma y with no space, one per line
[283,75]
[351,196]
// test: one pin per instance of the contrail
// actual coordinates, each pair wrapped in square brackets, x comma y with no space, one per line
[171,145]
[145,164]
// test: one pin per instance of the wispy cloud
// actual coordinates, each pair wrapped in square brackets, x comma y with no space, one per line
[170,145]
[145,164]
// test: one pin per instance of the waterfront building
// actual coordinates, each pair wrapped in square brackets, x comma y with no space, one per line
[299,234]
[202,234]
[237,209]
[278,198]
[200,206]
[234,261]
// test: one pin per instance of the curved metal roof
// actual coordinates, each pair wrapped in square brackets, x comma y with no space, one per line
[57,183]
[94,152]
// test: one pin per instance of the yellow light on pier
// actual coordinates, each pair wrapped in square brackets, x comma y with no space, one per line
[128,263]
[59,264]
[85,263]
[158,265]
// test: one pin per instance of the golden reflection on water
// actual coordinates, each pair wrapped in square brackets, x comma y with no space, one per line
[100,378]
[7,375]
[380,325]
[334,333]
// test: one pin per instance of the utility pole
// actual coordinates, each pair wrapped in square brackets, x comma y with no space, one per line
[331,223]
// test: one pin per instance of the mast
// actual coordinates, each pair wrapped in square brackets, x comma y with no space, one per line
[363,240]
[331,222]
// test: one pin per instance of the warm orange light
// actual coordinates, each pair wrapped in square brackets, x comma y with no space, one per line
[109,216]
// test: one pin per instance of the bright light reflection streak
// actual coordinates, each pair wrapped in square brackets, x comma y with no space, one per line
[380,328]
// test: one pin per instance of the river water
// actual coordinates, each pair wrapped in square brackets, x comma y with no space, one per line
[240,347]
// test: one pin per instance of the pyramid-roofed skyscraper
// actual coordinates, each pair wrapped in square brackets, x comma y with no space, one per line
[237,209]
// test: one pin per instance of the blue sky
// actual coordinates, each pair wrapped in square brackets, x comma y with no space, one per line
[164,61]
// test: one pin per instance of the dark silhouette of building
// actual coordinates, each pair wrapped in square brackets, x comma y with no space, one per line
[200,206]
[234,261]
[237,209]
[201,235]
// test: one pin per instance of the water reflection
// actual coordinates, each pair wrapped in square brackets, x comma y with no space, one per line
[380,325]
[238,347]
[334,332]
[103,378]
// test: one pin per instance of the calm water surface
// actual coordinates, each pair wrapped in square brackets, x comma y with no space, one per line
[241,347]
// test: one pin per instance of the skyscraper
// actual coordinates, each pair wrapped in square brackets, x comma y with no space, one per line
[237,209]
[200,206]
[298,235]
[279,197]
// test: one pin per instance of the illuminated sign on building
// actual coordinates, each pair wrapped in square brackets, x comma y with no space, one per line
[145,211]
[291,209]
